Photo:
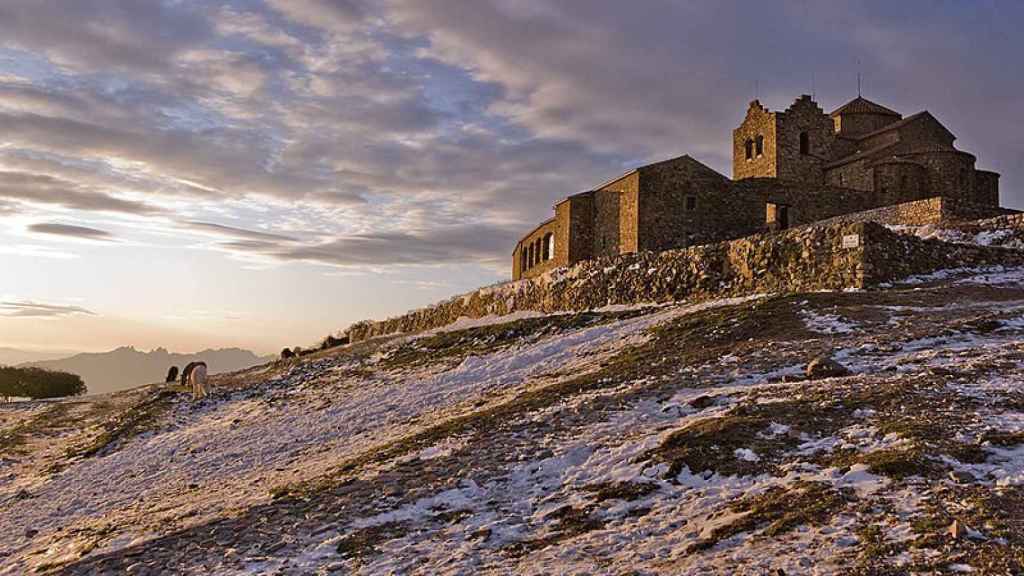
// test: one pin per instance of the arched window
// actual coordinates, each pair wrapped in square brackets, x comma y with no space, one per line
[749,145]
[523,263]
[549,246]
[759,145]
[529,258]
[805,143]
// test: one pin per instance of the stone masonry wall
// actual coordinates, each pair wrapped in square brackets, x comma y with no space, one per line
[812,258]
[575,216]
[803,116]
[522,267]
[683,204]
[920,213]
[889,256]
[615,227]
[759,121]
[986,187]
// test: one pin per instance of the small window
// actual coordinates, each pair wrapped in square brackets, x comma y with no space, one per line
[691,203]
[805,143]
[840,179]
[759,145]
[750,148]
[545,249]
[523,264]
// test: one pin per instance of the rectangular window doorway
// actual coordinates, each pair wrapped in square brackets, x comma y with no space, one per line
[782,216]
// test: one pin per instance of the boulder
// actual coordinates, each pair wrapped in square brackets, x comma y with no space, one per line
[825,367]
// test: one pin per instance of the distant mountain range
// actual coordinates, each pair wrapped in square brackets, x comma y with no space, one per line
[14,356]
[127,367]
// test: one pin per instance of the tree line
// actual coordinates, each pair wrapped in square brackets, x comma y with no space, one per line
[36,383]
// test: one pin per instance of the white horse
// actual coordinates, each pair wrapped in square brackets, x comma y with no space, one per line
[197,379]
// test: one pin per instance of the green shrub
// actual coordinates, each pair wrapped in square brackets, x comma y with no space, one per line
[37,383]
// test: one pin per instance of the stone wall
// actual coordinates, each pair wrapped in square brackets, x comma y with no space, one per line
[804,116]
[758,122]
[813,258]
[615,216]
[806,203]
[889,256]
[986,187]
[684,203]
[921,213]
[575,216]
[898,181]
[533,256]
[1012,220]
[950,172]
[856,174]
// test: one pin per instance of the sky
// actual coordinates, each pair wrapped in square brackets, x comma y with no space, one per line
[261,173]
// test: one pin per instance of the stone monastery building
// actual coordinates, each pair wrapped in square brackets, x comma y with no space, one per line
[789,168]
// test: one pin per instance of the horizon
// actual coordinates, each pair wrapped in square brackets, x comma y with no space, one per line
[260,174]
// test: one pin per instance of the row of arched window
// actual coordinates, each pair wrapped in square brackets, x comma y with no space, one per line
[536,252]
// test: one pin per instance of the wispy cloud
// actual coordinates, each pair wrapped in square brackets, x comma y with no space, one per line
[29,309]
[72,231]
[239,233]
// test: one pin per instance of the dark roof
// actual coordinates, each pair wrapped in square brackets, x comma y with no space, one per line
[902,123]
[860,155]
[864,106]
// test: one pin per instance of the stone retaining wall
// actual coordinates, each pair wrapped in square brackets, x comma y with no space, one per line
[831,257]
[921,212]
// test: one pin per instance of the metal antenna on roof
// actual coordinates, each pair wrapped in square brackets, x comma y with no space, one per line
[756,89]
[858,77]
[812,87]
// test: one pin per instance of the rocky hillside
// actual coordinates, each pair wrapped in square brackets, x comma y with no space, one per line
[677,439]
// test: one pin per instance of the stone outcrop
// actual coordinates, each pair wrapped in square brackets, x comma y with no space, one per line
[833,257]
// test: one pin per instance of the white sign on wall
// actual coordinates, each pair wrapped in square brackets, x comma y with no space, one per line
[851,240]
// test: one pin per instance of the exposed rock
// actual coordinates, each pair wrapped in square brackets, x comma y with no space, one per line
[825,367]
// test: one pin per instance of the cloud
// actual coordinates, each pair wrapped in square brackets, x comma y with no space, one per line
[28,309]
[71,231]
[240,233]
[104,35]
[450,245]
[400,132]
[46,189]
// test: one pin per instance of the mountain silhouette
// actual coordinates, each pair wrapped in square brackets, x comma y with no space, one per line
[126,367]
[15,356]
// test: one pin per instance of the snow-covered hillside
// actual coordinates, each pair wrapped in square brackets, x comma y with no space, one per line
[677,439]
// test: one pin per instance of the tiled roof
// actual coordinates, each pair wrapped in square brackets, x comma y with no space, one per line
[864,106]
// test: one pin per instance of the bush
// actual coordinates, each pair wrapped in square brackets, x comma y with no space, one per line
[37,383]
